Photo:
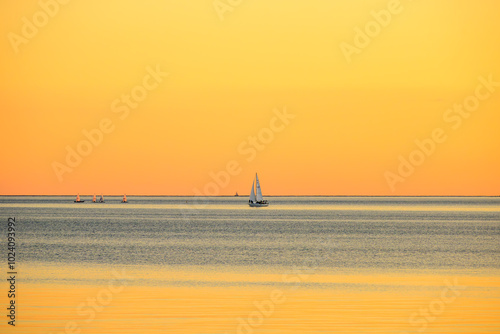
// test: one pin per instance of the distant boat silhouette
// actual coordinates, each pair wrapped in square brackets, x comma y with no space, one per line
[124,200]
[236,195]
[78,199]
[93,199]
[101,199]
[257,201]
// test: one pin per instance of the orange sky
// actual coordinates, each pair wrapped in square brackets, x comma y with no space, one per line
[352,115]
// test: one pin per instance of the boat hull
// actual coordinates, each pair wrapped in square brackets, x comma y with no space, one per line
[258,205]
[79,201]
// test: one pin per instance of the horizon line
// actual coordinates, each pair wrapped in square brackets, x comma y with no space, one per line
[247,195]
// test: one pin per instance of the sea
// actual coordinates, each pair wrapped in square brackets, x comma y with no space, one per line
[214,265]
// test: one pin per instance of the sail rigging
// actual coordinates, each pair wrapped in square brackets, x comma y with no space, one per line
[256,199]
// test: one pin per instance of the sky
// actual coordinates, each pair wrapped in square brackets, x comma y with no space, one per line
[194,97]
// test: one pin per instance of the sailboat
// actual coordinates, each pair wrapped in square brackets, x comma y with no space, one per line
[124,200]
[78,199]
[93,199]
[256,201]
[101,199]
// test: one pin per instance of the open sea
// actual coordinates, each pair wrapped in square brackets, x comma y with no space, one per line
[216,266]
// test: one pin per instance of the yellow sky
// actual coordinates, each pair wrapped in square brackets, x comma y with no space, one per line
[233,71]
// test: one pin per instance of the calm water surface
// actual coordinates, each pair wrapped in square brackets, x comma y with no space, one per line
[347,264]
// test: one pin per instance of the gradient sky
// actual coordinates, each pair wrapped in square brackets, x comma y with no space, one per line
[353,120]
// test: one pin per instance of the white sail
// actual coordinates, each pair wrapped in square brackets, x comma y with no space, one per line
[252,194]
[256,201]
[259,191]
